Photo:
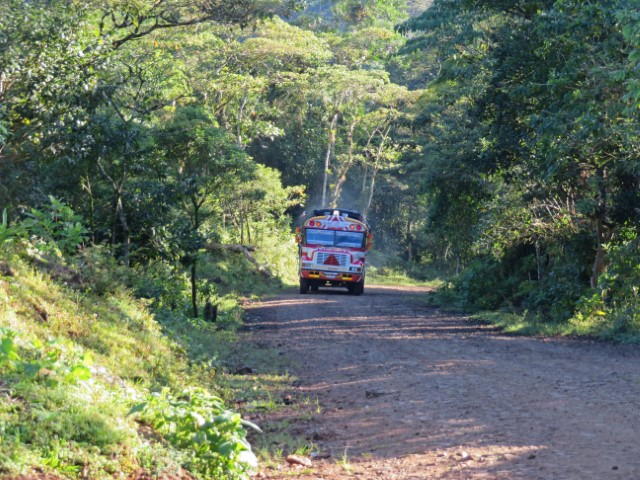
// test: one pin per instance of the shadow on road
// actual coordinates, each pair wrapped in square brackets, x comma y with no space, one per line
[417,393]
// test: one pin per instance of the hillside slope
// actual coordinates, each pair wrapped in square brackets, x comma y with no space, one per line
[92,385]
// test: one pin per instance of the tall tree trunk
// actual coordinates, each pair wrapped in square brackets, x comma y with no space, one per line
[365,174]
[118,215]
[240,118]
[194,260]
[603,231]
[86,186]
[125,229]
[371,188]
[223,120]
[114,222]
[342,177]
[538,260]
[248,223]
[331,140]
[120,218]
[376,167]
[194,286]
[409,244]
[604,234]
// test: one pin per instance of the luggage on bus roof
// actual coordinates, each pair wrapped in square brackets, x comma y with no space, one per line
[322,212]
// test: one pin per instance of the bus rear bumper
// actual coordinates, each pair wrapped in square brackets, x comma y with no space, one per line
[321,277]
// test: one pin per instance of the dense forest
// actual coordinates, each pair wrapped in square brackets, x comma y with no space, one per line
[169,126]
[528,164]
[143,144]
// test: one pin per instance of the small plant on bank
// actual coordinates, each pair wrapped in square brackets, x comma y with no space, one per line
[199,423]
[9,234]
[55,229]
[344,462]
[612,311]
[53,361]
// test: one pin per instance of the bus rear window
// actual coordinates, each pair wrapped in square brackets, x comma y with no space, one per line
[335,238]
[349,239]
[320,237]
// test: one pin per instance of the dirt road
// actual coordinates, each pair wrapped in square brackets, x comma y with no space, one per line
[408,392]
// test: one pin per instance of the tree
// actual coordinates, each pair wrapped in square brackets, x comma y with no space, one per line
[256,206]
[370,12]
[341,93]
[529,110]
[389,110]
[49,68]
[126,20]
[202,160]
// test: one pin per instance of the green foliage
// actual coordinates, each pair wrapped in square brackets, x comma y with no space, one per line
[50,388]
[8,351]
[56,228]
[397,276]
[279,47]
[52,361]
[199,422]
[482,285]
[9,234]
[546,287]
[165,285]
[613,311]
[369,12]
[145,120]
[254,214]
[527,164]
[69,381]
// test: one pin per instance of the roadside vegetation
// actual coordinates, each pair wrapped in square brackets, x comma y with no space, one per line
[529,162]
[385,270]
[397,276]
[105,372]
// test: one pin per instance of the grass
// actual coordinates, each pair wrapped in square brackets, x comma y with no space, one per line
[280,424]
[598,327]
[524,324]
[399,278]
[344,462]
[61,425]
[391,270]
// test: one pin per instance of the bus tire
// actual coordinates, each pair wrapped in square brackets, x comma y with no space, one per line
[304,285]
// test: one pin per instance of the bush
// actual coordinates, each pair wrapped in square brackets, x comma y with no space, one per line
[480,286]
[613,311]
[198,422]
[52,361]
[55,229]
[511,281]
[9,234]
[100,272]
[165,285]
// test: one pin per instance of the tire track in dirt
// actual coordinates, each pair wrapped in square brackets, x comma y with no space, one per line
[409,392]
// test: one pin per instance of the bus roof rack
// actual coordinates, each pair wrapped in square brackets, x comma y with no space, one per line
[325,212]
